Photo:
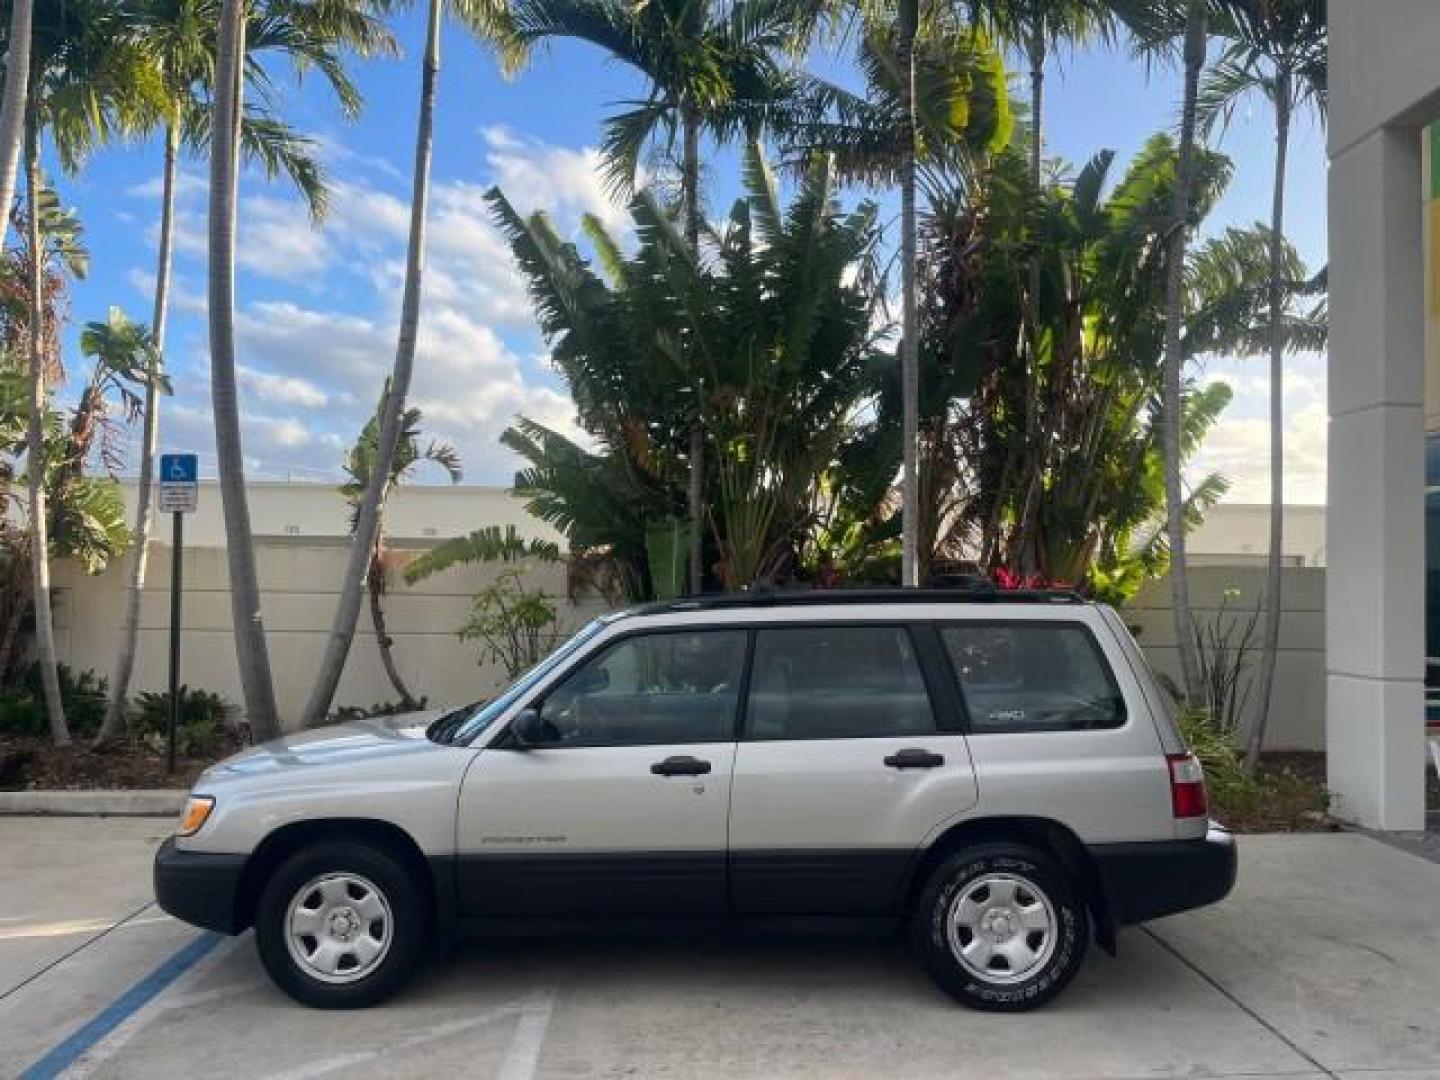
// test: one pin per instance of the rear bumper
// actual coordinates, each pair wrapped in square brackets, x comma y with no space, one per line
[200,887]
[1147,880]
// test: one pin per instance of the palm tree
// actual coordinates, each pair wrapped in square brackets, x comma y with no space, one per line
[709,67]
[1036,28]
[1156,26]
[317,32]
[488,20]
[179,36]
[359,467]
[934,98]
[12,111]
[908,25]
[88,82]
[1277,49]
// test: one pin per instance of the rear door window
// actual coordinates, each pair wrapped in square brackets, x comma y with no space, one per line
[837,682]
[1039,676]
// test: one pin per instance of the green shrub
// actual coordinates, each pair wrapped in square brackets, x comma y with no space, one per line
[200,729]
[1272,799]
[83,694]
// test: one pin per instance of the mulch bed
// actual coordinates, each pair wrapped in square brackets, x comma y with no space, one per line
[29,763]
[1294,778]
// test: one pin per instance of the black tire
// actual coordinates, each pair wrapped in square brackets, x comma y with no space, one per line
[1041,890]
[347,865]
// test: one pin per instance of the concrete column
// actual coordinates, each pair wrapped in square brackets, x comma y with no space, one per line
[1375,588]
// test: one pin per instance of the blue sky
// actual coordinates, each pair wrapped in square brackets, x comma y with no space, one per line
[317,308]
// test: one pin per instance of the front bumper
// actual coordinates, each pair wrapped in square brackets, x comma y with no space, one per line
[1143,881]
[200,887]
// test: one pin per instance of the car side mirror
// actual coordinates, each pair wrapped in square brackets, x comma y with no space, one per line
[529,729]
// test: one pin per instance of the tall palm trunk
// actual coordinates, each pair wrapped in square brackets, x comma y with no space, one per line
[909,341]
[35,447]
[367,521]
[252,656]
[690,195]
[1270,641]
[1023,555]
[149,443]
[1174,361]
[13,110]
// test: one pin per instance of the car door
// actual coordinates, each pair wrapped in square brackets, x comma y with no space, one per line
[622,807]
[850,759]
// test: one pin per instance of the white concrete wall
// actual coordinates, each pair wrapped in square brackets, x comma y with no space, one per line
[298,579]
[1384,87]
[1382,67]
[1298,717]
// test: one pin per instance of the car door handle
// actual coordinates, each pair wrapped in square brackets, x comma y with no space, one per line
[915,759]
[682,765]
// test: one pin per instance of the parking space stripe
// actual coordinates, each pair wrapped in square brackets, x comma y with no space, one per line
[522,1059]
[61,1057]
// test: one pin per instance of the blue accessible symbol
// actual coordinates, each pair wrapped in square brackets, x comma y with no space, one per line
[179,468]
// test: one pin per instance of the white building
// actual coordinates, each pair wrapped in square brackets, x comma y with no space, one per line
[1384,387]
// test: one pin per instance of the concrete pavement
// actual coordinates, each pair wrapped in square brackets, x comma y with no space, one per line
[1325,962]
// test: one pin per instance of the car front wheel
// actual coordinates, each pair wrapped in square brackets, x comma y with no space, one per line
[1001,928]
[341,925]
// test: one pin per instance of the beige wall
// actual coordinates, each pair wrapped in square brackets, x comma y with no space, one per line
[1299,700]
[299,580]
[1238,534]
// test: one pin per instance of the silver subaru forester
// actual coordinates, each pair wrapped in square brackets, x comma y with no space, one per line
[998,772]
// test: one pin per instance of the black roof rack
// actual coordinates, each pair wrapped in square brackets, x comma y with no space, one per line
[762,597]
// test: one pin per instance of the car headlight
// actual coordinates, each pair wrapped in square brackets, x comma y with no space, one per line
[196,813]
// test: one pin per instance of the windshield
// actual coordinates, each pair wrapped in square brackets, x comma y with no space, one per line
[476,718]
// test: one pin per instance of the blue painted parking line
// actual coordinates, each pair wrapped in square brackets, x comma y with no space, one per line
[61,1057]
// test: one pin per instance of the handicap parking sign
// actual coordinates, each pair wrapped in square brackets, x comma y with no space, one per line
[179,488]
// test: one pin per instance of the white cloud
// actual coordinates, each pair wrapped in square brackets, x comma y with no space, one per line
[189,181]
[559,180]
[277,239]
[310,371]
[1239,449]
[283,389]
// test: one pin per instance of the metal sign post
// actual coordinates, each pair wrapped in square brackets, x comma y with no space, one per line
[179,494]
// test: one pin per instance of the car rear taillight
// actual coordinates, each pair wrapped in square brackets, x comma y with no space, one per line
[1187,786]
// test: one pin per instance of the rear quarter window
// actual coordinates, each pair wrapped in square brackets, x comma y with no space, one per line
[1032,677]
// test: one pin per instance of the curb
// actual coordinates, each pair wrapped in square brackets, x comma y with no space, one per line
[126,803]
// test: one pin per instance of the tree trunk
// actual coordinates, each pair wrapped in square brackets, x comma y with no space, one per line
[1023,556]
[909,325]
[149,442]
[251,654]
[1270,642]
[1174,361]
[35,448]
[382,642]
[13,110]
[690,196]
[367,522]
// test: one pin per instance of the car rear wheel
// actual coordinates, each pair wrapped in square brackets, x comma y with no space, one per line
[1001,928]
[341,925]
